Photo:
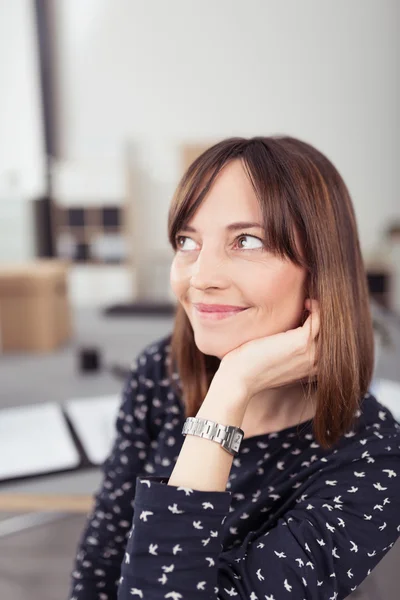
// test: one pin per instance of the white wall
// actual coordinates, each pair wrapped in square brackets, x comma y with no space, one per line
[21,132]
[164,72]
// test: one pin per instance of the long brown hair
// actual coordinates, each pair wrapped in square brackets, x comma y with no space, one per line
[298,189]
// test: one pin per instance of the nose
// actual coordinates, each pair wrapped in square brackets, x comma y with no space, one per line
[209,271]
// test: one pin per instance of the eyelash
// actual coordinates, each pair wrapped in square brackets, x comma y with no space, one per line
[177,237]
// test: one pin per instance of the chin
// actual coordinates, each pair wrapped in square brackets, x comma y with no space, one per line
[214,347]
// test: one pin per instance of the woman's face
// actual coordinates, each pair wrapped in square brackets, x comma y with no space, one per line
[219,262]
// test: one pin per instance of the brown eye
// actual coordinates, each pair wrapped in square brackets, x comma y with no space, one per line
[183,238]
[243,236]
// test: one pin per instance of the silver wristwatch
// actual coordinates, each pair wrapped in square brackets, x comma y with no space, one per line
[229,436]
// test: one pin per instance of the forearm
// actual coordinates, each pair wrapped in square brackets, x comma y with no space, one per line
[203,464]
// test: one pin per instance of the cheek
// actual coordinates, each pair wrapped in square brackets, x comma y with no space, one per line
[276,287]
[178,281]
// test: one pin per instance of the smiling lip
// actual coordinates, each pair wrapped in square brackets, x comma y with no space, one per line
[217,312]
[218,308]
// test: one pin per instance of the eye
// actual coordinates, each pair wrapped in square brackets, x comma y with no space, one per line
[253,237]
[180,238]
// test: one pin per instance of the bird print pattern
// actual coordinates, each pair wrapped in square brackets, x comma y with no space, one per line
[296,521]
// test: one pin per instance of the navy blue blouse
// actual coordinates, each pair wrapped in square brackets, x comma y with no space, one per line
[296,521]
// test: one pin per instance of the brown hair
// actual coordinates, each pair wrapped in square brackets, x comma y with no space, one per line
[298,189]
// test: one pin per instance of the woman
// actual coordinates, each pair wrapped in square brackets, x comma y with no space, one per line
[299,498]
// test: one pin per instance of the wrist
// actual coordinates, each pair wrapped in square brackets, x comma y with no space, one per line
[224,403]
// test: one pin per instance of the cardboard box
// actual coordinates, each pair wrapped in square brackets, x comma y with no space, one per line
[35,312]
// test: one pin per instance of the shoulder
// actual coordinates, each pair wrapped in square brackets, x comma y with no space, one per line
[150,374]
[153,359]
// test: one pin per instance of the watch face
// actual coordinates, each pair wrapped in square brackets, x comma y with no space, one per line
[237,438]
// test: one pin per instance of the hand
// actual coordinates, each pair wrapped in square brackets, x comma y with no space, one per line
[275,360]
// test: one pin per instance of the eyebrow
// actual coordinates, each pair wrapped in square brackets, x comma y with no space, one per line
[231,227]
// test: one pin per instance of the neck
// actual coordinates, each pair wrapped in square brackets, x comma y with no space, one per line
[275,409]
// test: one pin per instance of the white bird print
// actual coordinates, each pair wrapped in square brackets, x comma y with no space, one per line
[379,487]
[136,592]
[270,597]
[378,507]
[390,472]
[146,481]
[231,592]
[233,530]
[333,597]
[359,473]
[211,561]
[153,549]
[127,558]
[304,582]
[328,506]
[262,445]
[330,527]
[319,583]
[280,465]
[174,595]
[244,516]
[371,553]
[331,482]
[334,553]
[197,525]
[382,415]
[297,451]
[301,563]
[201,585]
[307,547]
[144,514]
[288,587]
[386,501]
[274,496]
[337,499]
[253,596]
[205,542]
[321,542]
[174,509]
[367,517]
[341,522]
[354,547]
[176,549]
[206,505]
[382,527]
[353,489]
[280,554]
[259,575]
[349,574]
[260,545]
[214,533]
[163,579]
[239,496]
[187,490]
[310,564]
[167,569]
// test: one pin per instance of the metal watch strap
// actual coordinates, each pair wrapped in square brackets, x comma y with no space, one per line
[228,436]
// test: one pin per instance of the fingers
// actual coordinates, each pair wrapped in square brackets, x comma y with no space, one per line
[313,320]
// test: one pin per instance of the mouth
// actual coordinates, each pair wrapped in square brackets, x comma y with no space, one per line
[218,315]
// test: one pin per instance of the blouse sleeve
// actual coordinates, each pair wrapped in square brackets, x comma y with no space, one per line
[101,547]
[321,547]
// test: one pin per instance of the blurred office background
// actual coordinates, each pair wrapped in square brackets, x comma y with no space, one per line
[103,104]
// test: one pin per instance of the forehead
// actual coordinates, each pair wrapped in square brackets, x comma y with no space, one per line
[231,197]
